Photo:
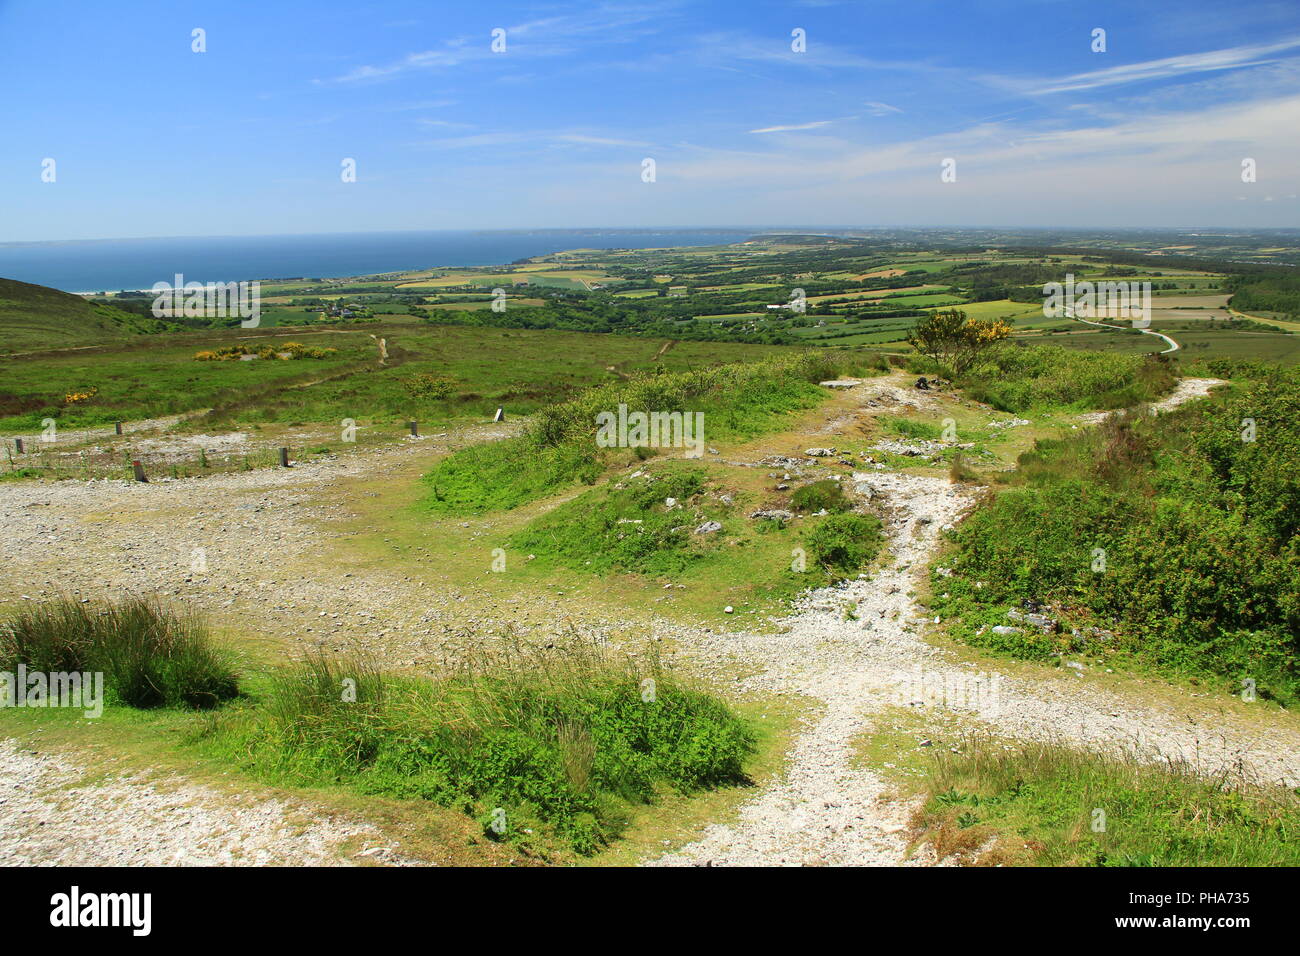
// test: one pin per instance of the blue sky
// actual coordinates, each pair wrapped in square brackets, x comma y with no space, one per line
[152,139]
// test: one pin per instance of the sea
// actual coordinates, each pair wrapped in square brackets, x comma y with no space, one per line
[112,265]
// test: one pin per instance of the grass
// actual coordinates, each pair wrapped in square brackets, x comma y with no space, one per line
[1040,804]
[34,317]
[150,655]
[536,744]
[1019,378]
[153,376]
[560,447]
[627,527]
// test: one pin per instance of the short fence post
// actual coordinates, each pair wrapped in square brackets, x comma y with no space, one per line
[415,429]
[117,426]
[284,458]
[139,470]
[18,444]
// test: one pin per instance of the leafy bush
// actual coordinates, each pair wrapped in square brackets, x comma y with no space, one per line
[824,495]
[150,656]
[566,738]
[953,341]
[845,542]
[424,385]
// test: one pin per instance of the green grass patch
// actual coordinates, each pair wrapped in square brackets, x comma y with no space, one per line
[738,402]
[559,743]
[1047,805]
[1016,378]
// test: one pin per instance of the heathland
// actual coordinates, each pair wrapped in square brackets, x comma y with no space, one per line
[501,640]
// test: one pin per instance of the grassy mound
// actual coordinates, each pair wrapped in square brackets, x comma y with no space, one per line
[843,543]
[676,521]
[737,401]
[1174,532]
[150,655]
[563,741]
[629,528]
[34,317]
[1047,805]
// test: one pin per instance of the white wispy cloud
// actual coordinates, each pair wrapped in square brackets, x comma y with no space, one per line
[786,129]
[549,36]
[1230,58]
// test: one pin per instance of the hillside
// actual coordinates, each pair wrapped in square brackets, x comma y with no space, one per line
[35,317]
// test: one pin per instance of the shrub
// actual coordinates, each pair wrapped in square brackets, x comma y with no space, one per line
[1200,532]
[845,542]
[824,495]
[427,386]
[953,341]
[150,656]
[1017,378]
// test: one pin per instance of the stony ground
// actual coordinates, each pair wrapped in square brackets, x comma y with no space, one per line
[268,538]
[53,814]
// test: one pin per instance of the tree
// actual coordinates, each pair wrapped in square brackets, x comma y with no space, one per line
[953,340]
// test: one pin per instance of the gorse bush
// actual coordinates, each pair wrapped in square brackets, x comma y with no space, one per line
[150,655]
[566,739]
[1197,529]
[738,401]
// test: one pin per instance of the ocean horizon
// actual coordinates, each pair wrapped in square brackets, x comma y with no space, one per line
[112,265]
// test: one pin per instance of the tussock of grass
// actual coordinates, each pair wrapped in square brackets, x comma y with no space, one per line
[1038,804]
[738,401]
[150,655]
[563,740]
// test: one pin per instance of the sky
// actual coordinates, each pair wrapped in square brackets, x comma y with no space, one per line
[251,136]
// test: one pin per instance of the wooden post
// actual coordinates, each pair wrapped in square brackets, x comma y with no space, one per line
[117,426]
[500,415]
[139,471]
[284,458]
[18,444]
[415,429]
